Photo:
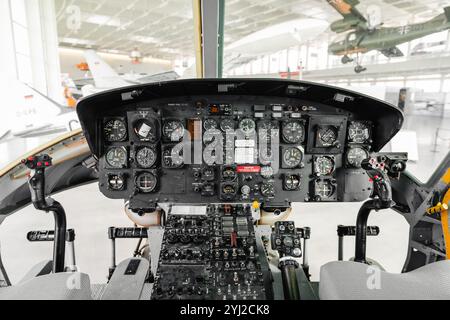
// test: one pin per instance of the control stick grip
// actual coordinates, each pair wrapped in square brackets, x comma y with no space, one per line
[36,180]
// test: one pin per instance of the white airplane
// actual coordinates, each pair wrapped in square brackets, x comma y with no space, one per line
[272,39]
[428,47]
[105,77]
[29,113]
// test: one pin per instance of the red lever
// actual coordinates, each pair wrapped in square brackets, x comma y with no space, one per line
[234,239]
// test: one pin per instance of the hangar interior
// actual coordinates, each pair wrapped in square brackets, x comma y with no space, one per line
[51,50]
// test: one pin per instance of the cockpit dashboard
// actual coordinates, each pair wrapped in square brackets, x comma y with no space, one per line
[228,140]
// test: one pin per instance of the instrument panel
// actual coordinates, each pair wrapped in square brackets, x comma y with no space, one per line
[233,148]
[265,152]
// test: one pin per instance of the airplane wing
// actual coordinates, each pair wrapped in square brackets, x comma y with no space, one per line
[30,111]
[347,9]
[158,77]
[234,61]
[104,76]
[62,109]
[4,134]
[392,52]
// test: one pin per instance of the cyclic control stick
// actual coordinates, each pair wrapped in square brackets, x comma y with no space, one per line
[36,182]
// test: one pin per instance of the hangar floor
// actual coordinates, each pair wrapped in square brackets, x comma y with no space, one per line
[90,214]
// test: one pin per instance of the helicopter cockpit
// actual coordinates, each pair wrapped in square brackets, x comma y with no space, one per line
[208,170]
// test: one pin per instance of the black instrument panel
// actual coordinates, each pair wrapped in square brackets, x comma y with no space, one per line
[233,148]
[163,155]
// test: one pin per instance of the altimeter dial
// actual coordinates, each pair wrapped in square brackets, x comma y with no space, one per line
[293,131]
[115,130]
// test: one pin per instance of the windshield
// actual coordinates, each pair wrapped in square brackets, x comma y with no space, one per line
[60,51]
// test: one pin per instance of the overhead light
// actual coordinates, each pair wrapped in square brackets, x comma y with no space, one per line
[169,50]
[77,41]
[114,51]
[102,20]
[144,39]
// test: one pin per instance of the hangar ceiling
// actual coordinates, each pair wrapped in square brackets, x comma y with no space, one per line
[164,28]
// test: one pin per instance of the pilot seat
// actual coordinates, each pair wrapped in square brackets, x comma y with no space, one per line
[127,283]
[348,280]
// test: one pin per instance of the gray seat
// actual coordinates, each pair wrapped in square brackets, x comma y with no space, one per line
[127,281]
[357,281]
[58,286]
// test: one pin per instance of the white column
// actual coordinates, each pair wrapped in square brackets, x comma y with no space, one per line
[29,52]
[7,51]
[35,36]
[44,47]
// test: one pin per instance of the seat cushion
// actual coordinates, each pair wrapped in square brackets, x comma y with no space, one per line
[57,286]
[357,281]
[125,285]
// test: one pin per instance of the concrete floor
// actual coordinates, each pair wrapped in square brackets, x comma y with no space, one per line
[90,214]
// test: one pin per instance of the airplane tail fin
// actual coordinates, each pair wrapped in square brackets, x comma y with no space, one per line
[104,76]
[447,13]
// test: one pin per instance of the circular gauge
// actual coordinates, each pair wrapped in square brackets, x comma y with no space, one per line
[324,165]
[115,130]
[355,156]
[291,182]
[145,157]
[245,189]
[172,158]
[210,124]
[173,130]
[292,157]
[266,172]
[293,131]
[267,189]
[146,182]
[247,126]
[327,136]
[116,157]
[212,135]
[324,189]
[227,125]
[145,130]
[358,132]
[115,182]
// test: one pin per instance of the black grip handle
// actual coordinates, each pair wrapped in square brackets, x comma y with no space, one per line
[127,233]
[48,235]
[344,231]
